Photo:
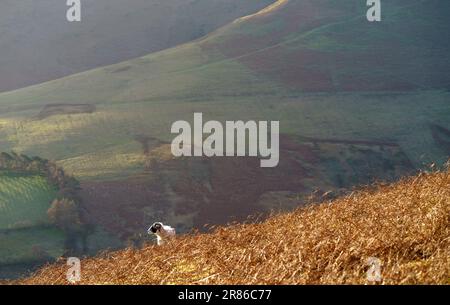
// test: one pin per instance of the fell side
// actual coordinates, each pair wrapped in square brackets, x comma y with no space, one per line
[405,225]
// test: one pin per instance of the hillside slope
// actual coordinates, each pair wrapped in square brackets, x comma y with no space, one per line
[38,44]
[404,225]
[276,62]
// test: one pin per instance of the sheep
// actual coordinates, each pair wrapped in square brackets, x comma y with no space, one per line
[162,232]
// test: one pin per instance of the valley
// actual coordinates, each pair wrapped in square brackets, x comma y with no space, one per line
[357,103]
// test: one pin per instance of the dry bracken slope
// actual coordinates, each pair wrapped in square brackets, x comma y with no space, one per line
[405,225]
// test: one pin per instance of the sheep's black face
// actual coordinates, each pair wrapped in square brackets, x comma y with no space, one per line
[156,227]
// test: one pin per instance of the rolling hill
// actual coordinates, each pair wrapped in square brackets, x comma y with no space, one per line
[38,44]
[405,226]
[356,101]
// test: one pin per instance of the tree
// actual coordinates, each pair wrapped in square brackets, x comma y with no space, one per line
[64,213]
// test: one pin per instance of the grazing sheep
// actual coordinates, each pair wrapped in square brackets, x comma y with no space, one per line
[162,232]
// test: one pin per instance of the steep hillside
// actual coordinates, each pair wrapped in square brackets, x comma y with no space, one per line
[38,44]
[405,226]
[356,101]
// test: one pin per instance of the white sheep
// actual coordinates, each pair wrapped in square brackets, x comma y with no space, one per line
[162,232]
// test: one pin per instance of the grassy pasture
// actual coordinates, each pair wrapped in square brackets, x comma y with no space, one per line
[25,233]
[103,144]
[24,200]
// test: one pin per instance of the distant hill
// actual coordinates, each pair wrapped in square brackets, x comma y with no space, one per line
[405,227]
[38,44]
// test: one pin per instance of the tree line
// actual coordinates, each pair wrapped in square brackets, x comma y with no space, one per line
[66,211]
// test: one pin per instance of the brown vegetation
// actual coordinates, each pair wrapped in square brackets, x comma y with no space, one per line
[405,225]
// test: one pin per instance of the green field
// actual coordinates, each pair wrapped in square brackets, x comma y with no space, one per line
[102,145]
[24,200]
[25,232]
